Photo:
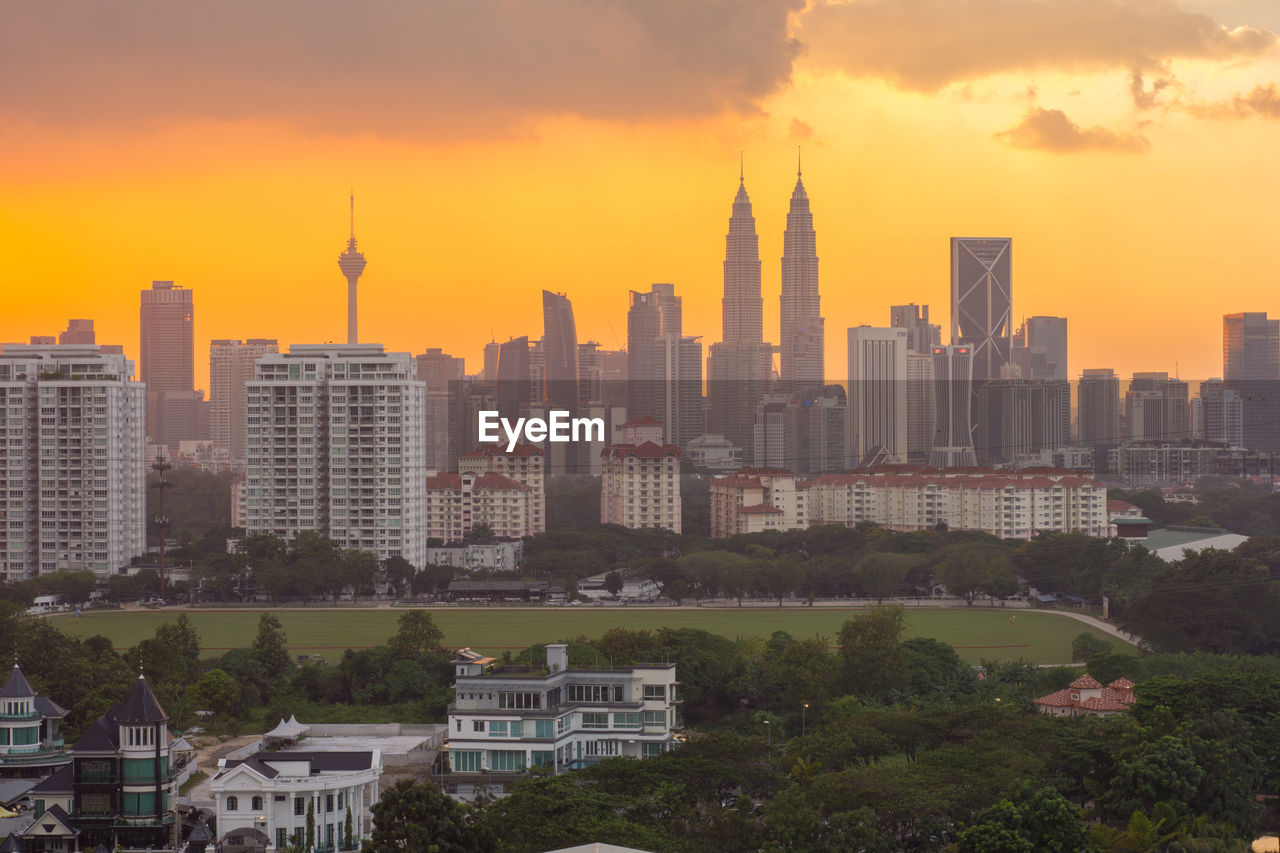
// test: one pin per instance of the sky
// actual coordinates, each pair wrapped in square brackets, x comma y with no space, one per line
[592,147]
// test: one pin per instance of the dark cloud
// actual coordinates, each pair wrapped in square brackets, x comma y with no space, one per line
[443,68]
[1051,130]
[926,44]
[800,131]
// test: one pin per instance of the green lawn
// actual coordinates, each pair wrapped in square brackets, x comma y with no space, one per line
[1039,636]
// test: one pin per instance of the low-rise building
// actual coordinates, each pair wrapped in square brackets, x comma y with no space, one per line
[500,553]
[30,740]
[526,464]
[456,503]
[1086,696]
[755,499]
[504,723]
[268,798]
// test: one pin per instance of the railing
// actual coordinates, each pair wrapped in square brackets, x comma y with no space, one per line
[30,715]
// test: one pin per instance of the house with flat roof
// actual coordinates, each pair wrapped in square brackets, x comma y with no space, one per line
[505,722]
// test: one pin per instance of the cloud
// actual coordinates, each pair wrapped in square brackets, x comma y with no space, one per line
[800,131]
[1261,101]
[1144,98]
[1051,130]
[925,45]
[444,68]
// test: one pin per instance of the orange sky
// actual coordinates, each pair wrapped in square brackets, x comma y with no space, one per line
[1127,147]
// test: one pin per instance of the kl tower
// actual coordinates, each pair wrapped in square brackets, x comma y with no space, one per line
[351,262]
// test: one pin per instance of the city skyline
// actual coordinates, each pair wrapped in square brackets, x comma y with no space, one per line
[232,178]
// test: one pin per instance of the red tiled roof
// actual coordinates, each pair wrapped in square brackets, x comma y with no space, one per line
[737,481]
[1086,682]
[1121,683]
[446,480]
[498,482]
[1058,699]
[1115,506]
[1103,704]
[760,509]
[647,450]
[500,450]
[647,420]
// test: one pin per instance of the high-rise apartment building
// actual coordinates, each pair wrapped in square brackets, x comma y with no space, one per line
[640,484]
[802,335]
[982,301]
[515,378]
[560,348]
[922,337]
[953,401]
[526,464]
[442,374]
[1021,417]
[230,367]
[1251,368]
[72,461]
[806,433]
[334,444]
[664,366]
[877,395]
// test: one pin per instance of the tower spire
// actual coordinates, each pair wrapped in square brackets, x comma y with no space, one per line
[353,213]
[741,170]
[798,169]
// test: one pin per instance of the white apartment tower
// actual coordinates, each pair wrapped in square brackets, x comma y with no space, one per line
[334,443]
[877,394]
[72,461]
[230,367]
[640,485]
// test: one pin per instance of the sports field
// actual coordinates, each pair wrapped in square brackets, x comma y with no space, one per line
[1038,636]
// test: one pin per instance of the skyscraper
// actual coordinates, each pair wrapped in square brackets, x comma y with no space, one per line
[1250,346]
[982,301]
[1040,348]
[1218,414]
[953,385]
[1157,408]
[352,262]
[514,385]
[877,395]
[73,468]
[1251,368]
[922,336]
[176,412]
[78,332]
[740,367]
[802,328]
[560,351]
[230,367]
[443,375]
[742,305]
[1098,409]
[664,367]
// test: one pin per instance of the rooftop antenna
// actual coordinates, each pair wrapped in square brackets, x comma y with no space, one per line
[741,169]
[353,213]
[798,169]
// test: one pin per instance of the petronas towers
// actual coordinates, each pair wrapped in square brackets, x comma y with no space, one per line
[740,368]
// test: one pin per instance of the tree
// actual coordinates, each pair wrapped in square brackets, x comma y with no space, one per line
[348,834]
[216,691]
[411,816]
[976,568]
[1086,646]
[882,575]
[271,648]
[1045,822]
[399,574]
[310,839]
[613,583]
[871,649]
[417,636]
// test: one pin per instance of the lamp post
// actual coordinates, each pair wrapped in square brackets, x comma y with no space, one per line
[803,712]
[768,731]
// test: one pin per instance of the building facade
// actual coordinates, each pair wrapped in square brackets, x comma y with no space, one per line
[334,444]
[878,394]
[458,502]
[802,329]
[503,723]
[72,467]
[526,464]
[982,301]
[30,731]
[267,798]
[755,499]
[952,407]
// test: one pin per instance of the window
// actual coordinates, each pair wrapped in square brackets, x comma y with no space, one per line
[477,726]
[520,700]
[652,749]
[282,837]
[595,721]
[233,804]
[340,801]
[299,806]
[543,728]
[256,804]
[562,725]
[498,728]
[506,759]
[655,691]
[626,721]
[328,802]
[655,718]
[595,692]
[543,758]
[465,760]
[602,747]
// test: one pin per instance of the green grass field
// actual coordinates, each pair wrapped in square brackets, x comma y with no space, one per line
[1037,636]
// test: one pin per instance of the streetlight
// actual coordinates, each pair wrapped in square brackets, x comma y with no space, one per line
[803,712]
[769,733]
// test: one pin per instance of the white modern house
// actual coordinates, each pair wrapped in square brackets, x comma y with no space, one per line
[504,723]
[264,800]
